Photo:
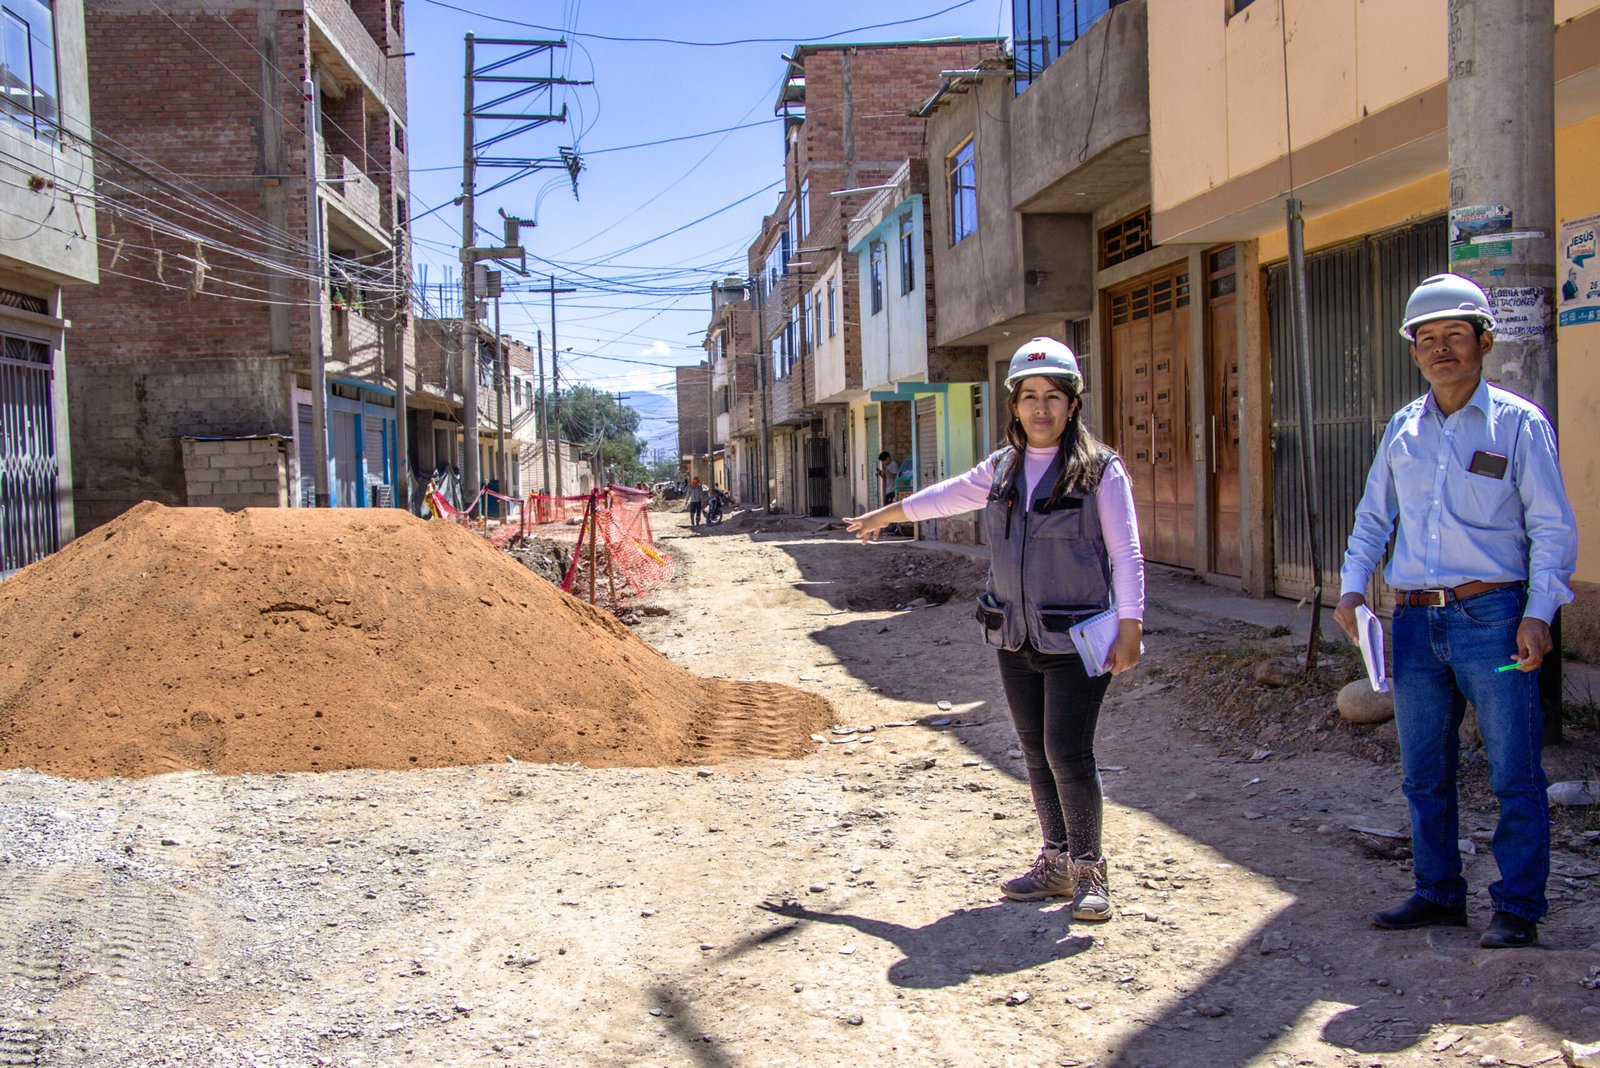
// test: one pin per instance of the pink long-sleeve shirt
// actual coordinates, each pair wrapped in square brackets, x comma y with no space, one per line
[1118,524]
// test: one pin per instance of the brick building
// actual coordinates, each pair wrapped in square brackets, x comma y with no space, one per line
[203,330]
[694,407]
[735,423]
[848,131]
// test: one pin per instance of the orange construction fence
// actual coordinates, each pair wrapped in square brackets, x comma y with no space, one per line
[614,559]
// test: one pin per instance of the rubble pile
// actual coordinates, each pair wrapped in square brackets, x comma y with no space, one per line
[299,640]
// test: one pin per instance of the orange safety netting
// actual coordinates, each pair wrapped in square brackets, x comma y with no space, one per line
[614,559]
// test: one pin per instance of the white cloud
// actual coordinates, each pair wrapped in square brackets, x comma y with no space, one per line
[660,348]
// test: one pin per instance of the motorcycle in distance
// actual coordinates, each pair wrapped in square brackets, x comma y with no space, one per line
[714,507]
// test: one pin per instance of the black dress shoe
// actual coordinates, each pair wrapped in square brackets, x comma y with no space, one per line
[1420,912]
[1509,931]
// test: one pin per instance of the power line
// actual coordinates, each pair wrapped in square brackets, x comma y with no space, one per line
[704,44]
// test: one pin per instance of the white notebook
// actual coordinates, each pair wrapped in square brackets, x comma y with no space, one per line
[1094,637]
[1369,634]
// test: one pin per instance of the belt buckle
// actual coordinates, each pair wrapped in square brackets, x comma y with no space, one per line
[1429,598]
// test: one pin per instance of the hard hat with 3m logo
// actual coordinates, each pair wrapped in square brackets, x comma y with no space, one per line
[1445,296]
[1044,356]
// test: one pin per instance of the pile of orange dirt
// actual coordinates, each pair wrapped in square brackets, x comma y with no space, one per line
[298,640]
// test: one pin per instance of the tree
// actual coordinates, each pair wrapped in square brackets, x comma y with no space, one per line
[664,470]
[597,420]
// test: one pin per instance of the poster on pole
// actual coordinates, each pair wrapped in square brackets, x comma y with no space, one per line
[1578,271]
[1477,232]
[1520,312]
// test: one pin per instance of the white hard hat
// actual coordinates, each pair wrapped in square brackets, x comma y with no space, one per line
[1445,296]
[1044,356]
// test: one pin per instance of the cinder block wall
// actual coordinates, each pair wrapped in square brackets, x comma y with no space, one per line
[127,420]
[234,474]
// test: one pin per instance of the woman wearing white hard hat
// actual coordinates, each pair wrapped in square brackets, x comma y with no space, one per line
[1064,549]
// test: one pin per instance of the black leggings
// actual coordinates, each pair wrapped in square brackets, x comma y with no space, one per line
[694,512]
[1054,706]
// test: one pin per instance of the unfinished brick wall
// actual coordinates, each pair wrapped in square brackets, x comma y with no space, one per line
[694,401]
[183,86]
[237,473]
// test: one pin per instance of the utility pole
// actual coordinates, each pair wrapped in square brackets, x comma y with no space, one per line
[568,160]
[1501,106]
[555,375]
[319,368]
[711,395]
[501,375]
[544,420]
[469,305]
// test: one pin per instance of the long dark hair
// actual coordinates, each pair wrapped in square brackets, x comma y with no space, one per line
[1083,457]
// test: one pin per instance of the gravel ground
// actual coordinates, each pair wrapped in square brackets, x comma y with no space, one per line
[836,909]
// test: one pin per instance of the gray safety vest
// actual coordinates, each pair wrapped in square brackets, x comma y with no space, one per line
[1048,566]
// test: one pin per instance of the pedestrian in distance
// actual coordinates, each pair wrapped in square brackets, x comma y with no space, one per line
[888,471]
[696,494]
[1064,546]
[1467,482]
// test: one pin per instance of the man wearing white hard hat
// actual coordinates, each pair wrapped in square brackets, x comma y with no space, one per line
[1063,552]
[1467,482]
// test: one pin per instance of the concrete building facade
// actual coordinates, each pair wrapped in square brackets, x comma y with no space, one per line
[48,175]
[730,352]
[921,403]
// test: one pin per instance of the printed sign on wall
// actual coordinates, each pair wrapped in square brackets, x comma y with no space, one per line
[1578,271]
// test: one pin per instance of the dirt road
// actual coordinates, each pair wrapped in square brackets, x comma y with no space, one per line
[839,909]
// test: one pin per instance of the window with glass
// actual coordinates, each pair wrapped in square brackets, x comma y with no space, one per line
[908,252]
[875,258]
[777,262]
[1042,30]
[816,318]
[791,339]
[833,309]
[803,209]
[29,95]
[962,172]
[806,335]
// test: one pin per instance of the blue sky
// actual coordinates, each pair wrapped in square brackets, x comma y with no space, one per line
[642,302]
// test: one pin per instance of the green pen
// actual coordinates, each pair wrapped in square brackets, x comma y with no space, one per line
[1509,667]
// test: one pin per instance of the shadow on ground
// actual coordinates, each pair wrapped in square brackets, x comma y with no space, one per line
[1314,963]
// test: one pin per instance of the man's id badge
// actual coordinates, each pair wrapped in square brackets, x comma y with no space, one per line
[1488,464]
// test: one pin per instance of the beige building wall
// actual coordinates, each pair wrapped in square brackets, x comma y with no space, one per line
[1217,87]
[1370,154]
[1578,387]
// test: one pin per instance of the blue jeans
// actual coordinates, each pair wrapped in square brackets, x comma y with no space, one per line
[1444,657]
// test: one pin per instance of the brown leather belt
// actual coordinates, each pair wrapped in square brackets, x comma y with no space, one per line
[1440,597]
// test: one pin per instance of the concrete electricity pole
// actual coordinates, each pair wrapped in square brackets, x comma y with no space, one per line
[318,271]
[555,380]
[1501,99]
[1502,181]
[471,254]
[469,304]
[544,420]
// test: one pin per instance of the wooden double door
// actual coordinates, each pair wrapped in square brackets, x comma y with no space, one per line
[1155,426]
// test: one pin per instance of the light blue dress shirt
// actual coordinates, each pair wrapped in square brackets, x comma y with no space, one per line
[1456,526]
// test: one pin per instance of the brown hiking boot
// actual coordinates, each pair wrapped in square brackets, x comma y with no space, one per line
[1092,899]
[1050,876]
